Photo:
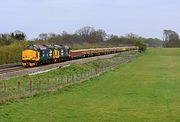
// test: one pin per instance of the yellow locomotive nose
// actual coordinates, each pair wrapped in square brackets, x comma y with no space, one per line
[28,55]
[29,58]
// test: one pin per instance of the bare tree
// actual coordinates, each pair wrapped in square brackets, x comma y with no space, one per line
[87,30]
[52,35]
[43,36]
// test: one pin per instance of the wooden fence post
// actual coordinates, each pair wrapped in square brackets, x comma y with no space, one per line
[89,74]
[72,78]
[81,76]
[19,84]
[67,79]
[96,70]
[48,82]
[4,86]
[30,85]
[39,84]
[59,81]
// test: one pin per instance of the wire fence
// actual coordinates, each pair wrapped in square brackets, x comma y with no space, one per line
[20,89]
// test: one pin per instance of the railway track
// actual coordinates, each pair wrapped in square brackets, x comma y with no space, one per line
[7,72]
[10,65]
[6,68]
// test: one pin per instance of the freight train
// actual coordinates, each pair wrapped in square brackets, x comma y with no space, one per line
[35,55]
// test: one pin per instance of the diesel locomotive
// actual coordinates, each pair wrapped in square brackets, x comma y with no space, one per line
[35,55]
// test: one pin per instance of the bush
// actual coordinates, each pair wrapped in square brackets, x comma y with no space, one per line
[142,46]
[12,53]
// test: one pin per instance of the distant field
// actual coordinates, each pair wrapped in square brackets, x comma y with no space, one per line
[147,89]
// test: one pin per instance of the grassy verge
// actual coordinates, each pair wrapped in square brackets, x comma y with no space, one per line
[143,90]
[11,53]
[40,83]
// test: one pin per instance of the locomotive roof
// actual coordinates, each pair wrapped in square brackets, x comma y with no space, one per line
[43,47]
[36,47]
[61,46]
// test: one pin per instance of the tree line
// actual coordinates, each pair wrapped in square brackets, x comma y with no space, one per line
[90,35]
[8,38]
[85,35]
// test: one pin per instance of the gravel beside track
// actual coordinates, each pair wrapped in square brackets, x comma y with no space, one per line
[26,71]
[11,69]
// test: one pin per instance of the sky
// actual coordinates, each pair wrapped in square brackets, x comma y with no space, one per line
[147,18]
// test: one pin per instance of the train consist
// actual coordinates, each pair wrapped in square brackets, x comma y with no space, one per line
[35,55]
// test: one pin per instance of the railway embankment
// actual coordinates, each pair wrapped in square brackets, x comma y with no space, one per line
[38,80]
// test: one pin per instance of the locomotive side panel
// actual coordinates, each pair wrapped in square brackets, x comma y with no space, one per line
[46,55]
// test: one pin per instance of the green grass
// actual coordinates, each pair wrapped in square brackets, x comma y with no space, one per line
[64,72]
[40,83]
[147,89]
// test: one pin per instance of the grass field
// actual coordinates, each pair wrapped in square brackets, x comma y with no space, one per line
[147,89]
